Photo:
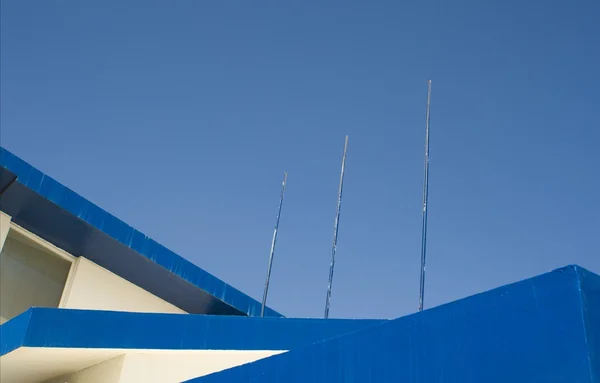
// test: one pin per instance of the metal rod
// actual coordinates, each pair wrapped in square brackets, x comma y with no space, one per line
[272,252]
[425,199]
[335,230]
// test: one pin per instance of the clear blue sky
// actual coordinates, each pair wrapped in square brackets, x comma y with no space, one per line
[181,117]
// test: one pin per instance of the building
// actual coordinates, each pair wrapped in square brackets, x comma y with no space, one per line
[87,298]
[542,329]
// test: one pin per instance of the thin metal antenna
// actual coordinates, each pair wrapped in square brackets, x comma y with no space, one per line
[272,252]
[335,231]
[425,199]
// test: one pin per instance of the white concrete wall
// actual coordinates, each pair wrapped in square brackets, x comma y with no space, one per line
[4,227]
[41,364]
[92,287]
[156,366]
[108,371]
[179,366]
[29,276]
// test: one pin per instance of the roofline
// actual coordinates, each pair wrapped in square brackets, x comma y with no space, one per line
[545,328]
[96,329]
[62,217]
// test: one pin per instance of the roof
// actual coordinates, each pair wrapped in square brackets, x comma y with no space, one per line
[97,329]
[541,329]
[43,343]
[62,217]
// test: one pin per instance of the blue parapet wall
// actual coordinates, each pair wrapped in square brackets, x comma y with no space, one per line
[544,329]
[62,217]
[67,328]
[590,293]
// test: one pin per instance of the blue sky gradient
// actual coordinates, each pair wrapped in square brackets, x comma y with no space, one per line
[181,117]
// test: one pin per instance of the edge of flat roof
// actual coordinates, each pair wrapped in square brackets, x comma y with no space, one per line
[553,319]
[57,214]
[71,328]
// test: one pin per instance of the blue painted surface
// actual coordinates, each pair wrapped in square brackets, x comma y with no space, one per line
[14,332]
[65,328]
[590,291]
[54,212]
[530,331]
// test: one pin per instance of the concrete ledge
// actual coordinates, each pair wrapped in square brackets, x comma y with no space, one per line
[69,328]
[44,343]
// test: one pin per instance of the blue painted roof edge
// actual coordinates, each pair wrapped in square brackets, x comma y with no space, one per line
[568,279]
[589,288]
[119,231]
[70,328]
[14,332]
